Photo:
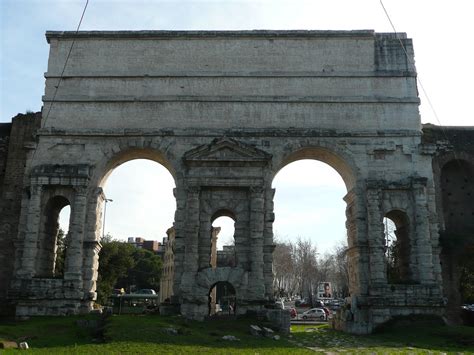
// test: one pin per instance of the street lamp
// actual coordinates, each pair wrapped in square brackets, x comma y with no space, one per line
[106,200]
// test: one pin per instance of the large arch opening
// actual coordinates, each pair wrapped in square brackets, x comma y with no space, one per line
[457,233]
[137,210]
[310,227]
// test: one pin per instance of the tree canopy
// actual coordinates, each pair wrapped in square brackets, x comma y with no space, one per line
[122,265]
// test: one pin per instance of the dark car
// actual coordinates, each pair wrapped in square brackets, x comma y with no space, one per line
[302,303]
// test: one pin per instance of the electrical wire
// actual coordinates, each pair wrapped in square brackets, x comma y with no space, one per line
[443,130]
[62,74]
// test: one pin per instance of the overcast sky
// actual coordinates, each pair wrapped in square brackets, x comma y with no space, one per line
[443,42]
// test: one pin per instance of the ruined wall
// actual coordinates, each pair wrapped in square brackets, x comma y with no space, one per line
[453,168]
[16,143]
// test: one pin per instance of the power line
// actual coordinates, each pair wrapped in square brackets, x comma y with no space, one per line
[65,63]
[422,87]
[411,62]
[62,72]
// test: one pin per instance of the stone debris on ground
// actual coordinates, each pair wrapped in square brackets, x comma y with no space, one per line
[5,344]
[268,332]
[255,330]
[170,331]
[230,338]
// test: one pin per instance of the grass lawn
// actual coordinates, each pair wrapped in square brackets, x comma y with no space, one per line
[147,334]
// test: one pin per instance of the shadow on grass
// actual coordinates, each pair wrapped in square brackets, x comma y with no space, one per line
[43,332]
[189,333]
[391,338]
[140,333]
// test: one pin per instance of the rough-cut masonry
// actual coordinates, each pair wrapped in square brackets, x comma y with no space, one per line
[453,168]
[224,112]
[17,139]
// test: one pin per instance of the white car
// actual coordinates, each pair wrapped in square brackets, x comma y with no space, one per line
[314,313]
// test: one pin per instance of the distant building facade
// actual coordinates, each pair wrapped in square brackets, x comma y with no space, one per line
[167,274]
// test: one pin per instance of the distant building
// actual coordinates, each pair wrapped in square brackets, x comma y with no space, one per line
[151,245]
[167,274]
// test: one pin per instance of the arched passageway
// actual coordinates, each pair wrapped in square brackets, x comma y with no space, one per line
[457,233]
[398,247]
[52,239]
[317,207]
[309,230]
[137,208]
[222,299]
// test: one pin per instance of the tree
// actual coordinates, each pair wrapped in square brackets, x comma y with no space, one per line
[145,271]
[306,266]
[115,260]
[60,253]
[467,275]
[342,269]
[284,269]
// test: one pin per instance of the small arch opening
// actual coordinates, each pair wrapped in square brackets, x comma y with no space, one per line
[223,246]
[222,299]
[52,239]
[397,247]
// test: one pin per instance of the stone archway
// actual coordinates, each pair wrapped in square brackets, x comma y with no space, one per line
[223,121]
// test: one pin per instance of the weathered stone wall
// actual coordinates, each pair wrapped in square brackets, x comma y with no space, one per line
[167,274]
[224,112]
[453,169]
[16,144]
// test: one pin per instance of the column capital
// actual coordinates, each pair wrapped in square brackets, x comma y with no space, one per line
[256,189]
[81,190]
[193,189]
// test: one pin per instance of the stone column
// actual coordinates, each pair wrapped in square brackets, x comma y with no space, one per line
[91,245]
[180,241]
[187,286]
[214,233]
[33,220]
[192,229]
[422,246]
[357,253]
[74,251]
[256,279]
[206,238]
[269,245]
[376,237]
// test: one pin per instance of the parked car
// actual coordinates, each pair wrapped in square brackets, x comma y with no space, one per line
[314,313]
[145,291]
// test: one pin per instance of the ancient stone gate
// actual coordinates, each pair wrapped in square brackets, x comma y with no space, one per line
[223,112]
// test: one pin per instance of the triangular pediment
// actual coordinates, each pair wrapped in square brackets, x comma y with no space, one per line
[226,150]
